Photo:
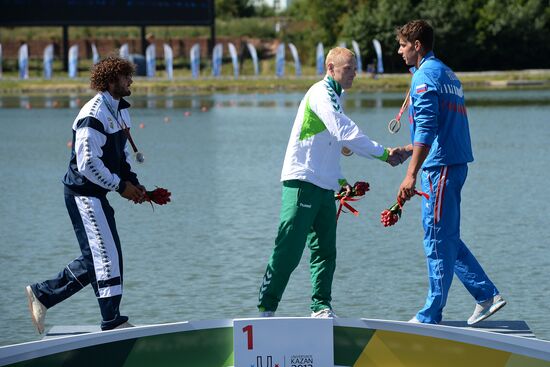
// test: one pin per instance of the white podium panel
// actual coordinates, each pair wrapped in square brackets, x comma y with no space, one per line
[283,342]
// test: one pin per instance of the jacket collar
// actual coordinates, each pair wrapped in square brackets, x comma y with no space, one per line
[115,104]
[429,55]
[334,85]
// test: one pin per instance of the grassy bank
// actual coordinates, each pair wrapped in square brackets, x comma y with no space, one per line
[531,79]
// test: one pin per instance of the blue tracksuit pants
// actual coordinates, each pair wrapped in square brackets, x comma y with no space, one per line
[445,252]
[100,262]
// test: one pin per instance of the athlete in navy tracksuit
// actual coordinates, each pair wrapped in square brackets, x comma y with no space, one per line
[440,150]
[99,164]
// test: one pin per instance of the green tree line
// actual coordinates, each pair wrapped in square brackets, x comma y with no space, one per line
[470,34]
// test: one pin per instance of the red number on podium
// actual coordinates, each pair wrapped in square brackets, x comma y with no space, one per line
[248,330]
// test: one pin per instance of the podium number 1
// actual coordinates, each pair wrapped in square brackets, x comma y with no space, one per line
[248,330]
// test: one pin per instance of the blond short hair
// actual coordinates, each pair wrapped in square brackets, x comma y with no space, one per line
[338,55]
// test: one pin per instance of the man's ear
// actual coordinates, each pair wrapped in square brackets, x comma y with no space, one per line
[417,45]
[330,67]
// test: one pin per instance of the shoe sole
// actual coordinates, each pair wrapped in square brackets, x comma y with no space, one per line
[125,325]
[30,299]
[492,310]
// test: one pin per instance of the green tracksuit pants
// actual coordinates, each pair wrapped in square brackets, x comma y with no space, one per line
[308,215]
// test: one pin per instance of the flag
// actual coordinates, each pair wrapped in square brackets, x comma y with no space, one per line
[357,56]
[254,55]
[234,58]
[73,61]
[280,60]
[217,54]
[151,60]
[294,52]
[378,49]
[23,61]
[95,54]
[169,61]
[48,62]
[124,52]
[195,57]
[320,59]
[421,88]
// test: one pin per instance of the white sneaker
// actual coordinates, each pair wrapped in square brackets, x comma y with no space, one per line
[325,313]
[267,313]
[487,308]
[37,310]
[414,320]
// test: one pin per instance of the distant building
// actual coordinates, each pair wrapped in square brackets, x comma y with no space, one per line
[277,5]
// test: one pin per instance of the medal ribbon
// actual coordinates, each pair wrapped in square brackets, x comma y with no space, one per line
[403,106]
[122,126]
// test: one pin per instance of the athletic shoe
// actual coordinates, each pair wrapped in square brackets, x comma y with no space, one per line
[267,313]
[325,313]
[37,310]
[485,309]
[414,320]
[124,325]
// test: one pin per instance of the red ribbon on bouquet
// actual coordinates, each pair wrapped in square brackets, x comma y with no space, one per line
[359,189]
[343,203]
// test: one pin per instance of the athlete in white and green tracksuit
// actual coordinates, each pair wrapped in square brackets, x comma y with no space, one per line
[311,173]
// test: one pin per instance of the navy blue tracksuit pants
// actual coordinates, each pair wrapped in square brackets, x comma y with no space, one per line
[100,262]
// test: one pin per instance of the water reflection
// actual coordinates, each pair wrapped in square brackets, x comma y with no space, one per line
[169,102]
[151,101]
[24,102]
[276,100]
[74,101]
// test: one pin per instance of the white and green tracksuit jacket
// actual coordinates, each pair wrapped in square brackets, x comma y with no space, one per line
[320,131]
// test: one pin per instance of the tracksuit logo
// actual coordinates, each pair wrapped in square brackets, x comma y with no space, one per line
[302,205]
[266,281]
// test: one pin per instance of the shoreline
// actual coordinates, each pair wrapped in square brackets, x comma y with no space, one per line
[490,80]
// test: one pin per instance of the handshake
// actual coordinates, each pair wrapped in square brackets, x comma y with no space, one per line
[398,155]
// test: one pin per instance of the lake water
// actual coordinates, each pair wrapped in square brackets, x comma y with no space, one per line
[203,255]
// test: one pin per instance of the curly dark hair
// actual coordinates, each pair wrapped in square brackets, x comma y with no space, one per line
[108,70]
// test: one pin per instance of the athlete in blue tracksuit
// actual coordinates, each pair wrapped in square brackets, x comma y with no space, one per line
[440,150]
[99,164]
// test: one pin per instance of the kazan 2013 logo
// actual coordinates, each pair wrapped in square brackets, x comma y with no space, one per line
[302,360]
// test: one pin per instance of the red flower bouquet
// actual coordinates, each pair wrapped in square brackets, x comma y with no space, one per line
[390,216]
[359,189]
[158,196]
